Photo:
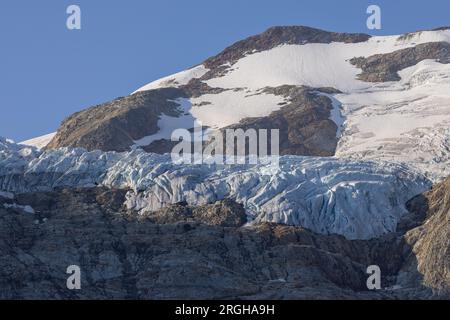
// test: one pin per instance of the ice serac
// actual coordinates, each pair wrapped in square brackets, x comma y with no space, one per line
[357,199]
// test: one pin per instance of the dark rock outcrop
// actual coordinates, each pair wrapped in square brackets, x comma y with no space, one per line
[225,213]
[385,67]
[304,122]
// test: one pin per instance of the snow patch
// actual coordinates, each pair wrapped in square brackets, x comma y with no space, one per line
[230,107]
[168,124]
[39,142]
[176,80]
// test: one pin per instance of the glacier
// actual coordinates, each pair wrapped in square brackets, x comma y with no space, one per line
[356,199]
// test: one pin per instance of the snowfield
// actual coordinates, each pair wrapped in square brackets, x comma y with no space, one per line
[315,64]
[230,107]
[357,199]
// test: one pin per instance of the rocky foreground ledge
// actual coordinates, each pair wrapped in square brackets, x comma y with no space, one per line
[206,252]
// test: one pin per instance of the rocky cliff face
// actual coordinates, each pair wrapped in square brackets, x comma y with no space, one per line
[430,242]
[184,252]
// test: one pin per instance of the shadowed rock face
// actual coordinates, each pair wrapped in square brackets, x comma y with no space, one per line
[385,67]
[184,252]
[430,241]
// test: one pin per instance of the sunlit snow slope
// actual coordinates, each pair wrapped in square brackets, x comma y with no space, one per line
[39,142]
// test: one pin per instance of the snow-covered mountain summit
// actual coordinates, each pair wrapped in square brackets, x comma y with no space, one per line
[349,95]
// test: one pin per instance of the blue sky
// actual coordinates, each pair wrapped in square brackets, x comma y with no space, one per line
[48,72]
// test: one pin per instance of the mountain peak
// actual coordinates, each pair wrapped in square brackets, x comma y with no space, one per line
[279,35]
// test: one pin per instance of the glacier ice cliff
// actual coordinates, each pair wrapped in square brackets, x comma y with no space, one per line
[356,199]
